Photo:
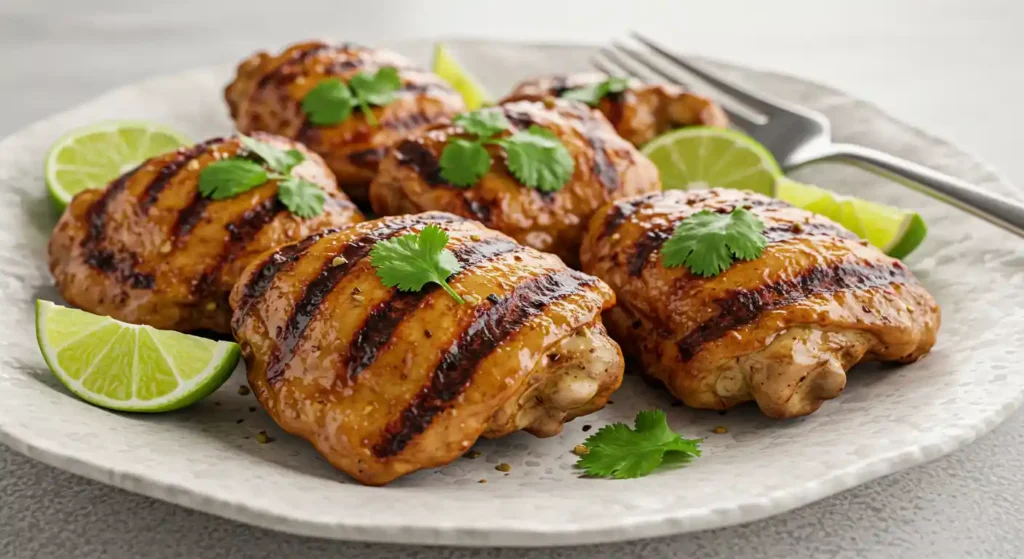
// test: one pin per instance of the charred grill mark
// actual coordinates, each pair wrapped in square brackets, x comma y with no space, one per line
[181,159]
[240,231]
[653,239]
[189,217]
[623,210]
[491,326]
[559,85]
[386,318]
[480,211]
[367,158]
[420,159]
[103,259]
[260,281]
[744,307]
[406,121]
[603,168]
[317,290]
[290,69]
[522,120]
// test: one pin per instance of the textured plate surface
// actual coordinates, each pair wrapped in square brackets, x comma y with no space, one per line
[204,458]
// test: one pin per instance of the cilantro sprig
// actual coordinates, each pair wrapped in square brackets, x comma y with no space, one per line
[708,243]
[593,93]
[411,261]
[332,100]
[228,178]
[535,156]
[620,452]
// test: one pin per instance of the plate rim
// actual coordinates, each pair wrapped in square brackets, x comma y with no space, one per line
[932,445]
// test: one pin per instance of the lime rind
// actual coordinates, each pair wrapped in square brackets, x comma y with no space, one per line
[113,148]
[449,69]
[224,357]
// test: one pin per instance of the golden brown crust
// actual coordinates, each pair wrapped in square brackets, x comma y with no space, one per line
[148,249]
[268,90]
[641,112]
[606,168]
[694,333]
[385,382]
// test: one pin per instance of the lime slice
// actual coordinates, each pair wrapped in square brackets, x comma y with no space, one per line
[706,157]
[452,72]
[92,156]
[126,367]
[897,232]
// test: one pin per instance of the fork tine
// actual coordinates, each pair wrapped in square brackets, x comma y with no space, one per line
[631,69]
[739,93]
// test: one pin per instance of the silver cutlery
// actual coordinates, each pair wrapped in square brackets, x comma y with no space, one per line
[797,135]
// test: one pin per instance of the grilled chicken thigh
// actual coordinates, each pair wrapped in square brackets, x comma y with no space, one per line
[384,382]
[782,329]
[268,90]
[606,168]
[149,249]
[639,113]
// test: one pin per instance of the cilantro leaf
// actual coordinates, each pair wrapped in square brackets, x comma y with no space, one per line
[329,102]
[464,162]
[230,177]
[707,242]
[377,88]
[482,124]
[620,452]
[277,159]
[593,93]
[411,261]
[302,197]
[538,159]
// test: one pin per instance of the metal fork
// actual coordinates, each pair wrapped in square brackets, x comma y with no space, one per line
[797,135]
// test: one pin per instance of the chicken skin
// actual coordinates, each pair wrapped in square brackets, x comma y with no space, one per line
[606,167]
[384,382]
[268,90]
[781,329]
[639,113]
[149,249]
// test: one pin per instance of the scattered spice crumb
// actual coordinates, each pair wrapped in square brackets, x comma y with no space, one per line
[503,467]
[239,420]
[677,404]
[722,412]
[165,248]
[263,438]
[580,450]
[720,430]
[252,409]
[473,454]
[610,402]
[474,237]
[428,333]
[586,428]
[216,404]
[243,390]
[339,260]
[211,306]
[482,481]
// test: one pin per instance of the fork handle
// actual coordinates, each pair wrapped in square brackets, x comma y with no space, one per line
[996,209]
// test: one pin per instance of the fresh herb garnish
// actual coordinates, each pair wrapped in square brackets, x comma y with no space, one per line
[411,261]
[535,157]
[332,100]
[593,93]
[708,242]
[620,452]
[228,178]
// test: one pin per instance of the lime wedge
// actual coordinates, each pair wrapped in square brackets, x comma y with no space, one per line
[92,156]
[126,367]
[452,72]
[897,232]
[706,157]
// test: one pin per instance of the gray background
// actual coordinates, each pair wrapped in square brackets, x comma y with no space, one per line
[952,67]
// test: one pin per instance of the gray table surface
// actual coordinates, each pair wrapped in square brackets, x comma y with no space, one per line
[951,66]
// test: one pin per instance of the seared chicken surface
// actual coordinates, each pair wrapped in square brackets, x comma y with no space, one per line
[781,330]
[268,90]
[606,168]
[384,382]
[639,113]
[149,249]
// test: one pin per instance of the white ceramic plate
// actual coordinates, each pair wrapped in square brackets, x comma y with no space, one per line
[888,419]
